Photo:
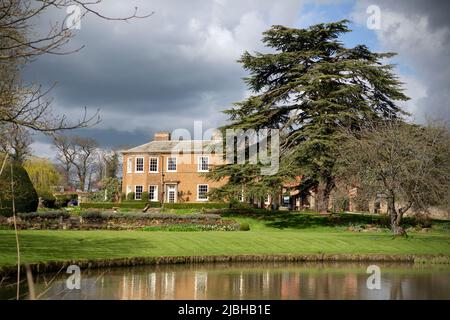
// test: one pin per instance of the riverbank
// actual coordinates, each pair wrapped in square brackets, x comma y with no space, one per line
[50,250]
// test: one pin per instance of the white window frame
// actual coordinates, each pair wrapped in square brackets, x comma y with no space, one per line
[128,189]
[155,192]
[198,191]
[129,165]
[149,164]
[199,165]
[135,192]
[135,165]
[176,164]
[241,196]
[267,199]
[175,189]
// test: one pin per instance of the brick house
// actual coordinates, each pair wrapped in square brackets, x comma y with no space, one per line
[170,170]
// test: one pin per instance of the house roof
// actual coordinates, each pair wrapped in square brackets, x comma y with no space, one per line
[169,146]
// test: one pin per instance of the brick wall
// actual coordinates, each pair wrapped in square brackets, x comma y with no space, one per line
[186,178]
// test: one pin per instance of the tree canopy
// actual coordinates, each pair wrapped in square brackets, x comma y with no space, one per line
[306,86]
[406,164]
[43,174]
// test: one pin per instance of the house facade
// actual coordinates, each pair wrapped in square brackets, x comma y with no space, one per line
[171,171]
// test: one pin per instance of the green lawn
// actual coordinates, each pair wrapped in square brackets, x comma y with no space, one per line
[271,233]
[42,246]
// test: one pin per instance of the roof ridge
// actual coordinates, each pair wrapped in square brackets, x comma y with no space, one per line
[146,147]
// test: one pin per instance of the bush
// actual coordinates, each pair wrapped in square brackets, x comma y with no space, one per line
[62,200]
[191,227]
[144,196]
[244,226]
[423,220]
[48,200]
[241,205]
[92,215]
[25,196]
[130,196]
[206,205]
[140,216]
[44,215]
[123,196]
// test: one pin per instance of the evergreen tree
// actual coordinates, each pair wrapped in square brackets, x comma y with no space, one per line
[25,196]
[307,86]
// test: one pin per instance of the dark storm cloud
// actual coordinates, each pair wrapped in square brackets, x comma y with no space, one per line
[436,10]
[179,65]
[163,72]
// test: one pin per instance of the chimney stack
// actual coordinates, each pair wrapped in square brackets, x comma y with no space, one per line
[162,136]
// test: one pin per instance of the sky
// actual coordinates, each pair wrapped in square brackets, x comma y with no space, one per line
[180,65]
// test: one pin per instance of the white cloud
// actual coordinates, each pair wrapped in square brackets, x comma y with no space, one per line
[43,150]
[423,45]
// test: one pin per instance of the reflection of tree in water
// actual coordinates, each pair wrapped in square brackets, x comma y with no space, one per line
[396,289]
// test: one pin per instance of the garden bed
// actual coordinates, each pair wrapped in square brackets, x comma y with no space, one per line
[95,220]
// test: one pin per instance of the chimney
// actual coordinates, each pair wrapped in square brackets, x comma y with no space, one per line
[162,136]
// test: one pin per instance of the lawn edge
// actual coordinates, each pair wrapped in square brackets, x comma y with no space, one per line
[59,265]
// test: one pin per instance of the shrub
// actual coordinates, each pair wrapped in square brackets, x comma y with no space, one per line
[25,196]
[144,196]
[423,220]
[44,215]
[244,226]
[191,227]
[140,216]
[123,196]
[206,205]
[48,200]
[130,196]
[92,215]
[241,205]
[62,200]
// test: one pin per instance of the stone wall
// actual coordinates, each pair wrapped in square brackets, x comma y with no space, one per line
[112,221]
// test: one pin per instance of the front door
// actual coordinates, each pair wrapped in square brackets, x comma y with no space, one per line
[171,193]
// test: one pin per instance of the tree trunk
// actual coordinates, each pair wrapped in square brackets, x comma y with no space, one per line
[67,177]
[82,178]
[323,195]
[396,218]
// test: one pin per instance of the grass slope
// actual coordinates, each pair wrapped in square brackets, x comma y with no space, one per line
[43,246]
[271,233]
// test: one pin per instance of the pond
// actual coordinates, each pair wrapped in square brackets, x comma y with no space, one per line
[246,281]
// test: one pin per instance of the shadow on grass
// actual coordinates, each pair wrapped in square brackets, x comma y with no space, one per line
[303,220]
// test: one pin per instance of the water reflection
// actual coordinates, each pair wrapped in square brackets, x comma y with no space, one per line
[249,281]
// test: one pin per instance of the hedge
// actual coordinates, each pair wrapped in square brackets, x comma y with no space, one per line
[62,200]
[48,200]
[205,205]
[140,215]
[125,205]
